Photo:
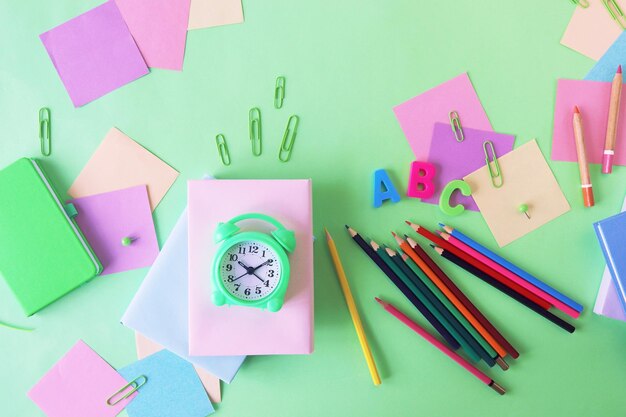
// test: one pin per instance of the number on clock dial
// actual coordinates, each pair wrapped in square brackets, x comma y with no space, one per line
[250,270]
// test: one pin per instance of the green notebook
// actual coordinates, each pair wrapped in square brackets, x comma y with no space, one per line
[43,254]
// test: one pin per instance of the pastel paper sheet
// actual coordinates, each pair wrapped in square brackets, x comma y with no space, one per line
[146,347]
[605,68]
[591,30]
[527,180]
[120,162]
[160,308]
[208,13]
[159,28]
[173,388]
[607,302]
[592,97]
[105,219]
[235,330]
[418,115]
[79,385]
[94,53]
[453,159]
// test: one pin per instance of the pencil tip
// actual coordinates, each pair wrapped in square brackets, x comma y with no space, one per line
[394,234]
[328,237]
[407,222]
[576,110]
[619,69]
[441,225]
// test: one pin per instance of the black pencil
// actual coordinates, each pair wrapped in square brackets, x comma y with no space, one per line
[513,294]
[403,288]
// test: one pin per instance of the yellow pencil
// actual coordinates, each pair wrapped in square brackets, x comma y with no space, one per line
[354,313]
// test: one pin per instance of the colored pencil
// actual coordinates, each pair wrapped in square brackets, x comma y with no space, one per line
[354,312]
[403,288]
[443,348]
[478,273]
[583,166]
[469,345]
[511,267]
[449,247]
[477,345]
[508,274]
[461,302]
[611,124]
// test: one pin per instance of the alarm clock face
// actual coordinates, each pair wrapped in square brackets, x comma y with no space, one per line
[250,270]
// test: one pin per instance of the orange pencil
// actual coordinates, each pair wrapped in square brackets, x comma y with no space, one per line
[611,124]
[583,166]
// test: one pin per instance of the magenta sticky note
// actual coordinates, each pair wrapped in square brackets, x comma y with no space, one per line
[592,98]
[159,28]
[454,160]
[417,115]
[106,219]
[79,385]
[94,53]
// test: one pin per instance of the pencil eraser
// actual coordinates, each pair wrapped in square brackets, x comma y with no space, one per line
[588,196]
[607,162]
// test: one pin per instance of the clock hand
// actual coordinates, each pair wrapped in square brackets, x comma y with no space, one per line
[250,271]
[264,263]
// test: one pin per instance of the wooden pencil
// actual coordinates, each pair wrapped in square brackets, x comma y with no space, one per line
[583,166]
[371,253]
[443,348]
[354,312]
[503,288]
[611,124]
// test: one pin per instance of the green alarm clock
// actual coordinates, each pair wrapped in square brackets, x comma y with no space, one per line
[251,268]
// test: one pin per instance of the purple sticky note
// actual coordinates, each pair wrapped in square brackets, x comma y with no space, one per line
[106,219]
[94,53]
[79,385]
[454,160]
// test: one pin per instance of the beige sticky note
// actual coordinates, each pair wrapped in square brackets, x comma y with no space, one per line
[527,179]
[591,31]
[146,347]
[119,163]
[209,13]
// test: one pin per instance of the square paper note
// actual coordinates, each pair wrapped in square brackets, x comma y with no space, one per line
[527,180]
[120,162]
[453,160]
[106,219]
[208,13]
[79,385]
[418,115]
[94,53]
[173,388]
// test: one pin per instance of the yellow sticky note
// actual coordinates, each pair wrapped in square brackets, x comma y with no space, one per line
[209,13]
[527,180]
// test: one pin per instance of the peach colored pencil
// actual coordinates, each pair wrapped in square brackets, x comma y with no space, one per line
[611,124]
[583,166]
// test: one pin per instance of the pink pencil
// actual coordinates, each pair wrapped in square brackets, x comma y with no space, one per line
[445,349]
[510,275]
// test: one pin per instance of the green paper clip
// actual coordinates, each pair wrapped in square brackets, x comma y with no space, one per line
[495,173]
[615,11]
[455,123]
[284,153]
[254,123]
[279,92]
[222,149]
[14,327]
[45,136]
[582,3]
[135,386]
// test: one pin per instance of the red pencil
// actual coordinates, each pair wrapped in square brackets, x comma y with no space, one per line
[489,271]
[451,354]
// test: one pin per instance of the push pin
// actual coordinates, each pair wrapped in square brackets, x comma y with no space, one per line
[127,241]
[523,208]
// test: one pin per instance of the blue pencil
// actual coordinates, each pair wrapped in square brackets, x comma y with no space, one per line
[513,268]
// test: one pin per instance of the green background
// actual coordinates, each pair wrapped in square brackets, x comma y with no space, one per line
[347,63]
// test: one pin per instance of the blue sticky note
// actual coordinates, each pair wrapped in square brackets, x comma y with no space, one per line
[172,389]
[605,68]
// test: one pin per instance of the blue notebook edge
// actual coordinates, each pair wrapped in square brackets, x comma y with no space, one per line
[607,255]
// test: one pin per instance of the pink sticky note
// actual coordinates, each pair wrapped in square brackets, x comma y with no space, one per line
[106,219]
[79,385]
[454,160]
[160,29]
[209,13]
[417,115]
[94,53]
[235,330]
[592,98]
[120,162]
